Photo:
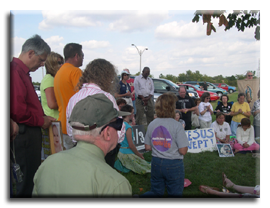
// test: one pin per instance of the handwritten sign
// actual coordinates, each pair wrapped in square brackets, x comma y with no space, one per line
[201,140]
[139,134]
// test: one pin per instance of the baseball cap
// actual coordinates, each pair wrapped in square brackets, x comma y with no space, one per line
[124,72]
[94,111]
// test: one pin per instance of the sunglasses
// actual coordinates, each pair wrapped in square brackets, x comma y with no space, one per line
[117,125]
[60,62]
[250,75]
[126,74]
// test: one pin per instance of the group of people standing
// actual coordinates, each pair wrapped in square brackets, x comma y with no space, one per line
[65,87]
[138,93]
[93,127]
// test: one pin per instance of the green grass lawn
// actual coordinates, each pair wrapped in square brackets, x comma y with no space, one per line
[206,169]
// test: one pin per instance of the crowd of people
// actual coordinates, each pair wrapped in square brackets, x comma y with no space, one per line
[97,113]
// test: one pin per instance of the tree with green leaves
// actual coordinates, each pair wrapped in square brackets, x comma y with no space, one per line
[241,19]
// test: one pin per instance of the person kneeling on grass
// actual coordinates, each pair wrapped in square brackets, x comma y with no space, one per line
[129,157]
[245,137]
[248,192]
[222,129]
[169,143]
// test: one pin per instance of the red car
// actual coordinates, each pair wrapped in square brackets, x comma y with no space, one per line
[213,96]
[222,86]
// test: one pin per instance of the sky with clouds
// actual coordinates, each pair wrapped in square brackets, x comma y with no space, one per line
[174,43]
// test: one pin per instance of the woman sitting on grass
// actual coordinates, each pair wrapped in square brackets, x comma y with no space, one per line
[245,137]
[248,192]
[169,143]
[222,129]
[178,118]
[128,155]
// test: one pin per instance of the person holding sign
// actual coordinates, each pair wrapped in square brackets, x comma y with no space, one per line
[27,112]
[245,137]
[239,111]
[128,155]
[169,143]
[222,129]
[82,170]
[256,113]
[206,110]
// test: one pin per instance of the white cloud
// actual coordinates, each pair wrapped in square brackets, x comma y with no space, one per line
[54,39]
[92,44]
[54,18]
[178,30]
[123,21]
[17,43]
[138,20]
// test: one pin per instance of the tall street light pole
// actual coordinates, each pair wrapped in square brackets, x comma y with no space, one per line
[140,53]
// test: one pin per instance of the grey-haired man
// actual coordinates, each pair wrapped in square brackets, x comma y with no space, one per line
[26,111]
[82,170]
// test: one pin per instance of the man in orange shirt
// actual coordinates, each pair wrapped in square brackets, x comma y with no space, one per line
[65,84]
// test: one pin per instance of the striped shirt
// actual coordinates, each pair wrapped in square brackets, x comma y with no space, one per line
[86,90]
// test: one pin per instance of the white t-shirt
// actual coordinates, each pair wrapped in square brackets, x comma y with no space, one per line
[245,136]
[207,116]
[221,130]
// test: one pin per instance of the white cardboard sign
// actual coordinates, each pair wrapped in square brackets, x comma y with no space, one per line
[201,140]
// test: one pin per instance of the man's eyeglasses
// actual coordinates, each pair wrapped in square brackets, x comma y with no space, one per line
[117,125]
[41,59]
[250,75]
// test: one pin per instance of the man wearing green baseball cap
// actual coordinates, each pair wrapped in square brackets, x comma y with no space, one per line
[82,170]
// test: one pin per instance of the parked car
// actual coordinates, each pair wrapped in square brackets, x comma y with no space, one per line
[39,95]
[222,86]
[213,96]
[211,87]
[156,95]
[163,85]
[231,89]
[37,87]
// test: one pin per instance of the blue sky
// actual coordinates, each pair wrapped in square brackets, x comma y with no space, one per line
[174,43]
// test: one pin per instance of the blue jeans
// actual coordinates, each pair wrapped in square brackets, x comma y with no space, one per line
[134,106]
[234,126]
[169,173]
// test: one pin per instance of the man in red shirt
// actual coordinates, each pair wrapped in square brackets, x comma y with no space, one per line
[130,81]
[26,111]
